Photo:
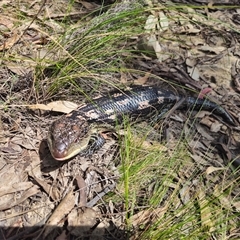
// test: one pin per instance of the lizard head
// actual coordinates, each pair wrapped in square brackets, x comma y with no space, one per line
[68,136]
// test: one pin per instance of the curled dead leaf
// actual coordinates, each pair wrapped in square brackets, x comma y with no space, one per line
[56,106]
[212,169]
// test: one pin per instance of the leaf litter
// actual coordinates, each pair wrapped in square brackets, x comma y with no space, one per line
[36,190]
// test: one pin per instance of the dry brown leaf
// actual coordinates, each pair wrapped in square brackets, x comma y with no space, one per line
[205,211]
[206,121]
[153,42]
[16,201]
[89,5]
[9,177]
[151,24]
[192,69]
[216,50]
[211,169]
[193,73]
[225,202]
[123,78]
[10,41]
[53,191]
[84,218]
[202,114]
[220,70]
[18,69]
[184,193]
[15,187]
[56,106]
[204,133]
[4,20]
[163,22]
[147,216]
[82,191]
[12,149]
[142,80]
[151,145]
[24,142]
[237,205]
[216,126]
[192,29]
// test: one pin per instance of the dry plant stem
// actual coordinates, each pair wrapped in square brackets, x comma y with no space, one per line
[35,17]
[100,195]
[176,106]
[188,80]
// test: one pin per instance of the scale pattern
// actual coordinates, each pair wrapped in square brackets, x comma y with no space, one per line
[73,133]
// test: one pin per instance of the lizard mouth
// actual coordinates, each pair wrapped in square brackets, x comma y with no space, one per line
[61,152]
[60,156]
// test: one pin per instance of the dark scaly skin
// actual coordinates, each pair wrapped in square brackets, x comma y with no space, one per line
[76,132]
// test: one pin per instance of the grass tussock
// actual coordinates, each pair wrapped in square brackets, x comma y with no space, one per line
[91,50]
[167,196]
